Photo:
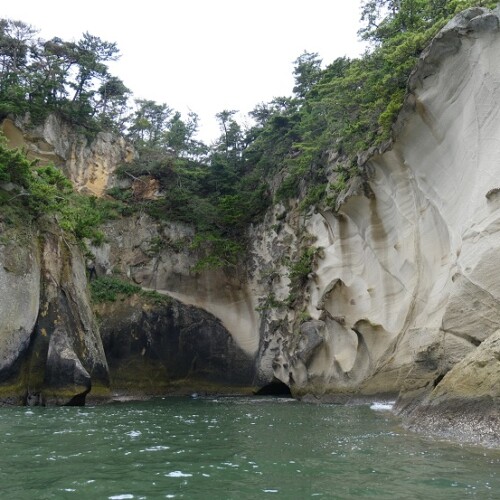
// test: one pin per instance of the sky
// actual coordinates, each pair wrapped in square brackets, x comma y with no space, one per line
[203,55]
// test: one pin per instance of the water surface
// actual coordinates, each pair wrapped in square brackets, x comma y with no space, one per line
[232,448]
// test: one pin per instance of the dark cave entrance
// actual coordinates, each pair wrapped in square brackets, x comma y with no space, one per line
[275,388]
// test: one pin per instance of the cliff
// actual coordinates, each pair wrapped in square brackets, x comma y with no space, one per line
[398,284]
[404,287]
[56,345]
[392,293]
[51,351]
[88,163]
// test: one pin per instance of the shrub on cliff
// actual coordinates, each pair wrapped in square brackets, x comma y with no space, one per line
[28,192]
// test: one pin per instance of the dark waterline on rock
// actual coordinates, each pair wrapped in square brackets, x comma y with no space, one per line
[232,448]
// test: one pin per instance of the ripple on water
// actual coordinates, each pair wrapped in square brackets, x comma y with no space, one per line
[155,448]
[184,448]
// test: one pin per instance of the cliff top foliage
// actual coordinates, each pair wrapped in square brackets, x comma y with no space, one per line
[346,107]
[28,192]
[109,289]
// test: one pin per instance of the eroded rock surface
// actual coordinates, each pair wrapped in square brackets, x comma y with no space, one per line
[89,163]
[398,293]
[465,404]
[51,351]
[405,284]
[168,347]
[158,257]
[402,281]
[19,306]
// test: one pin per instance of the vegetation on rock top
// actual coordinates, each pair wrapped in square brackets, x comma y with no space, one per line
[344,109]
[109,289]
[29,192]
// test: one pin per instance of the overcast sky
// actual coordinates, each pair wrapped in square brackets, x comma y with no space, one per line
[203,55]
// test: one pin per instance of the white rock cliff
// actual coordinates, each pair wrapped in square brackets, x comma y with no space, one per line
[404,280]
[404,283]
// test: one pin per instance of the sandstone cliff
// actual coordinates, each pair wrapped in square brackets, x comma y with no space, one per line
[88,163]
[394,292]
[402,282]
[51,349]
[405,286]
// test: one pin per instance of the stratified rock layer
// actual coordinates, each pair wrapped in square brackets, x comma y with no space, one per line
[88,163]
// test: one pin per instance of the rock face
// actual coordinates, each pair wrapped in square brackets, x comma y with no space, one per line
[89,164]
[158,256]
[404,284]
[465,405]
[394,292]
[66,338]
[51,349]
[401,282]
[20,292]
[160,348]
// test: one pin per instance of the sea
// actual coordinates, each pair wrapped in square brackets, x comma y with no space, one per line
[233,448]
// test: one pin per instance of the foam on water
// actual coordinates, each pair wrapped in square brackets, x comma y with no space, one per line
[134,433]
[178,473]
[382,406]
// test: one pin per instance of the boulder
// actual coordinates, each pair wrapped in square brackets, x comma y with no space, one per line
[465,404]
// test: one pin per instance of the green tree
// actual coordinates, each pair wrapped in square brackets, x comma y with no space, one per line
[91,56]
[179,138]
[112,103]
[149,123]
[14,166]
[15,42]
[15,46]
[307,71]
[71,78]
[47,77]
[232,137]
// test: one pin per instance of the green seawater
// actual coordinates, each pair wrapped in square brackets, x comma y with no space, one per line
[232,448]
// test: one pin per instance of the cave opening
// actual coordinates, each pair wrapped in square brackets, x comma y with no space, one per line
[275,388]
[438,380]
